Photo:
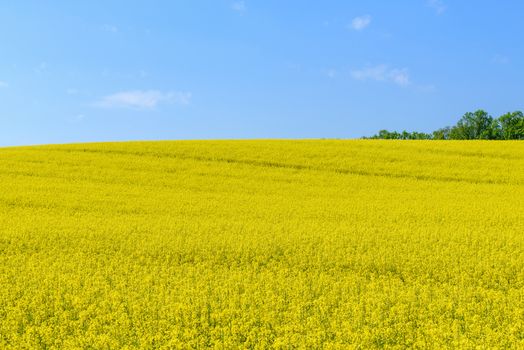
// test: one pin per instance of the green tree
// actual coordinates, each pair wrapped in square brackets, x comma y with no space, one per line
[442,133]
[472,126]
[478,125]
[512,126]
[494,131]
[387,135]
[415,135]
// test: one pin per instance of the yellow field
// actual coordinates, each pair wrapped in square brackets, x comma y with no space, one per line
[257,244]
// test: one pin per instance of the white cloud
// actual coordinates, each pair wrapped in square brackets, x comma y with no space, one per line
[3,84]
[360,23]
[370,73]
[382,72]
[143,99]
[399,76]
[437,5]
[239,6]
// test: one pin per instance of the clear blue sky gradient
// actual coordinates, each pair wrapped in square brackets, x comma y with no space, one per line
[75,71]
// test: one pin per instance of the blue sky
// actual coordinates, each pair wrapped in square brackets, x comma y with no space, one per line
[75,71]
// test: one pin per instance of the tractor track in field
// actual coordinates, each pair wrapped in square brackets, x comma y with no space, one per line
[280,165]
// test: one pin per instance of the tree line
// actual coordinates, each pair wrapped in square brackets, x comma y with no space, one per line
[478,125]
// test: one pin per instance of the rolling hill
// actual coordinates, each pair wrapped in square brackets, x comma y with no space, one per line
[262,243]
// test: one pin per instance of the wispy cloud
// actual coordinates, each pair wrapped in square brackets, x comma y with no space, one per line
[111,28]
[500,59]
[382,72]
[77,118]
[239,7]
[399,76]
[428,88]
[361,22]
[370,73]
[41,68]
[437,5]
[331,73]
[140,99]
[3,84]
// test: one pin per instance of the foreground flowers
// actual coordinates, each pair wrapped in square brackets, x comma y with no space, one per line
[258,244]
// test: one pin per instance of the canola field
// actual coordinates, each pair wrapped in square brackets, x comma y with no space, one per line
[262,244]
